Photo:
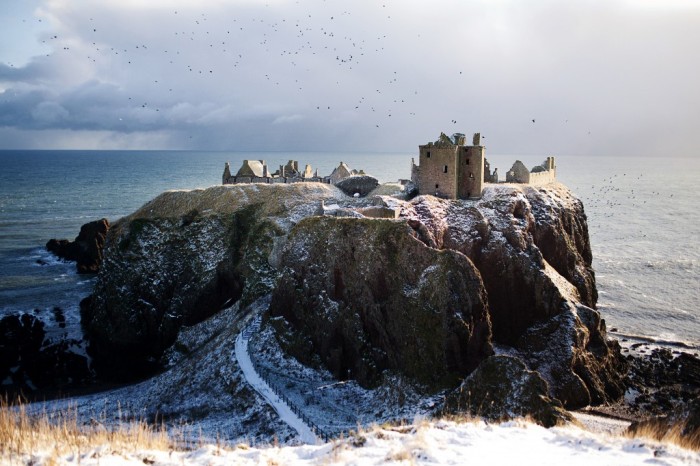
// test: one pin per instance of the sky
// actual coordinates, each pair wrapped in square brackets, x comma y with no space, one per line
[581,77]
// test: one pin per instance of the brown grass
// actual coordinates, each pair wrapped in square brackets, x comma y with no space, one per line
[663,431]
[59,434]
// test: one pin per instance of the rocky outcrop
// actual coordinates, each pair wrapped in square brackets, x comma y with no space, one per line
[370,297]
[181,258]
[540,299]
[422,295]
[29,360]
[87,247]
[360,185]
[572,353]
[502,388]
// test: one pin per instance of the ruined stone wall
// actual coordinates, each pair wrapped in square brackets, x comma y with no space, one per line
[543,177]
[274,180]
[437,171]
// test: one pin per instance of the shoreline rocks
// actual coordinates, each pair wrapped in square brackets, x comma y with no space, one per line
[87,248]
[31,363]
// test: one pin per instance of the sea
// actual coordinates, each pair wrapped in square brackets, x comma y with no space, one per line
[643,220]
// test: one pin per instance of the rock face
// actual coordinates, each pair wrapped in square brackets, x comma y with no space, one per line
[370,297]
[502,388]
[531,247]
[181,258]
[424,295]
[87,247]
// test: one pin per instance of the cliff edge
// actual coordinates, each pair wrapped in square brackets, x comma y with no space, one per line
[429,294]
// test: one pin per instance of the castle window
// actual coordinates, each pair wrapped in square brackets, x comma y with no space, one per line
[427,154]
[467,162]
[444,169]
[471,176]
[437,186]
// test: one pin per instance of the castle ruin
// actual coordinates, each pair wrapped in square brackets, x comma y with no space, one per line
[450,169]
[257,171]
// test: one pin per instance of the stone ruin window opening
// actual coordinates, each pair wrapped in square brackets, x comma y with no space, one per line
[427,154]
[466,162]
[437,186]
[471,175]
[444,169]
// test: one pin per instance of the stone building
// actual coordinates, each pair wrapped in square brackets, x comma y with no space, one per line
[540,174]
[257,171]
[448,168]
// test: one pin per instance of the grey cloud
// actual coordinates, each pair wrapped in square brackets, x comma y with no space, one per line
[596,76]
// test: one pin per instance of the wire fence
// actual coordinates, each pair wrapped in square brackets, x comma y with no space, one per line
[264,374]
[272,382]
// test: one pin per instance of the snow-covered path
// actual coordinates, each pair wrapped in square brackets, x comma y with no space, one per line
[285,413]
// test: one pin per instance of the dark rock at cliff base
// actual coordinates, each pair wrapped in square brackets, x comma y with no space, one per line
[502,388]
[369,297]
[358,184]
[20,340]
[87,247]
[662,381]
[29,361]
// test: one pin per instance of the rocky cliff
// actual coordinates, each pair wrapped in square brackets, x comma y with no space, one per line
[428,295]
[183,257]
[86,249]
[371,297]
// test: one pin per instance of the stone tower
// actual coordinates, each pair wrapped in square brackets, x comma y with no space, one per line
[450,169]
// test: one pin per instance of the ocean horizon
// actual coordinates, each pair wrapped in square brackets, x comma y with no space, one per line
[643,224]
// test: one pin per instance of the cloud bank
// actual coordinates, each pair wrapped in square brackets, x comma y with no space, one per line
[579,77]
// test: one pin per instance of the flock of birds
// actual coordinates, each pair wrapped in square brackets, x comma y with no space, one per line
[267,50]
[260,52]
[621,195]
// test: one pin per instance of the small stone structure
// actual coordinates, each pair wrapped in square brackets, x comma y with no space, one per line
[448,168]
[540,174]
[257,171]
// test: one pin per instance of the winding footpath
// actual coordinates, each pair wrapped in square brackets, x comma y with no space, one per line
[253,378]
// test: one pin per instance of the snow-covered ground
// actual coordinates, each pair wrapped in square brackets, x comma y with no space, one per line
[430,443]
[336,406]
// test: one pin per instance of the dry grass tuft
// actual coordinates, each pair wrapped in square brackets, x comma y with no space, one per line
[665,431]
[59,434]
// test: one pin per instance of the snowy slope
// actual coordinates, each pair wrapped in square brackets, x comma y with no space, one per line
[285,413]
[434,443]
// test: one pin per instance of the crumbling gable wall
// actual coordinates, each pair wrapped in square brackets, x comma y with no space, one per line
[540,174]
[518,173]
